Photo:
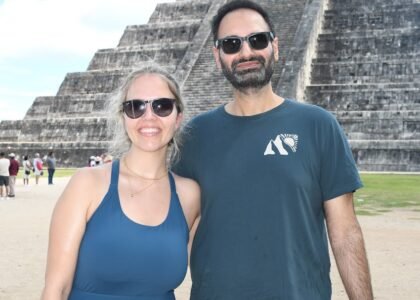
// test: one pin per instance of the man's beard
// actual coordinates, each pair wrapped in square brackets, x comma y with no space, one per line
[249,79]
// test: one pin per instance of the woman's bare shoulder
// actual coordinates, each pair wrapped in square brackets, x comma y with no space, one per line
[184,184]
[88,182]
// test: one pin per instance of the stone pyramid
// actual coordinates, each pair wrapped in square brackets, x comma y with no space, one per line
[364,71]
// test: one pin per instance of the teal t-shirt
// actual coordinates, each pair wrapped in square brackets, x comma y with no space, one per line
[264,179]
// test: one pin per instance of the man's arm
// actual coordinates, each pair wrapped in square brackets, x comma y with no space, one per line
[348,247]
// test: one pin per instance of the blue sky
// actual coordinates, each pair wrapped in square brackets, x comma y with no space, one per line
[42,40]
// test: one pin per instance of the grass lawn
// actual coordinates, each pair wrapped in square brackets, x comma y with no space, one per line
[63,172]
[382,192]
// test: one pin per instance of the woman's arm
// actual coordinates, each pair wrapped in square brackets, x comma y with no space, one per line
[66,231]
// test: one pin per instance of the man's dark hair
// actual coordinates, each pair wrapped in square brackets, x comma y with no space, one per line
[1,154]
[235,5]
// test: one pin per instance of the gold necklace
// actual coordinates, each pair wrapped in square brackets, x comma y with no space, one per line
[140,176]
[132,194]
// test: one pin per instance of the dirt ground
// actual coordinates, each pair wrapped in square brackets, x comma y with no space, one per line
[392,241]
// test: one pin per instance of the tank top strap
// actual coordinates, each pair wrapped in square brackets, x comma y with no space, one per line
[115,172]
[175,211]
[172,183]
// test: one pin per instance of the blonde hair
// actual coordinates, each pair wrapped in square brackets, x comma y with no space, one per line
[120,142]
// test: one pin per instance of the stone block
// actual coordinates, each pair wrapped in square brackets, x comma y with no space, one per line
[92,82]
[9,131]
[350,97]
[360,18]
[168,32]
[387,155]
[109,59]
[187,10]
[359,44]
[75,105]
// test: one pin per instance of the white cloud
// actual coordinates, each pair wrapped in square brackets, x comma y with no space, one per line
[77,26]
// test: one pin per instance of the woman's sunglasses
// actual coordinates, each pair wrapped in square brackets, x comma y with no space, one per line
[233,44]
[161,107]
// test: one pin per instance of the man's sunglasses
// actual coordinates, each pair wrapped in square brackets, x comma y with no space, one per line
[161,107]
[233,44]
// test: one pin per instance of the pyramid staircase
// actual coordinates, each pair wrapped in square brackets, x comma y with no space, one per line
[367,72]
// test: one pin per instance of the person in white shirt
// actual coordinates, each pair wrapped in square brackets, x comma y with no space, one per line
[4,175]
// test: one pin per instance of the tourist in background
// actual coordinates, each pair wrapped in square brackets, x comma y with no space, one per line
[37,167]
[13,171]
[27,168]
[50,161]
[98,161]
[4,176]
[273,172]
[127,238]
[92,162]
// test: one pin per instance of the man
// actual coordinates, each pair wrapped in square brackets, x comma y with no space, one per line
[4,175]
[271,172]
[13,171]
[51,166]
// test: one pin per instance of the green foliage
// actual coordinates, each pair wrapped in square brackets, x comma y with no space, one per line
[382,192]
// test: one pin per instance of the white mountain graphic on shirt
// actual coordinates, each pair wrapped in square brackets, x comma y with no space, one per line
[290,140]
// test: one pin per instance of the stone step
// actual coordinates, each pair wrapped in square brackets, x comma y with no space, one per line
[348,45]
[390,99]
[385,71]
[64,129]
[70,105]
[374,33]
[386,155]
[9,131]
[187,10]
[345,4]
[369,58]
[107,59]
[378,115]
[91,82]
[401,125]
[168,32]
[362,18]
[369,86]
[366,79]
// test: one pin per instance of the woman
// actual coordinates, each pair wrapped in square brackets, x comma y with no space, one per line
[127,237]
[38,167]
[27,167]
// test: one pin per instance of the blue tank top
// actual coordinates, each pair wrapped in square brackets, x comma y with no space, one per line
[120,259]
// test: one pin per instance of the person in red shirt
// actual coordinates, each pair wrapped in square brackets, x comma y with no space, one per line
[13,171]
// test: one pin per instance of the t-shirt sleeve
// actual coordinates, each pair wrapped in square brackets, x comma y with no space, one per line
[339,174]
[185,164]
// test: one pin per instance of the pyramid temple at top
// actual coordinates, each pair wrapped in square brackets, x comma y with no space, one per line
[358,59]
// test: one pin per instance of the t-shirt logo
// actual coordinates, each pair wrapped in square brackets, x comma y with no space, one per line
[281,142]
